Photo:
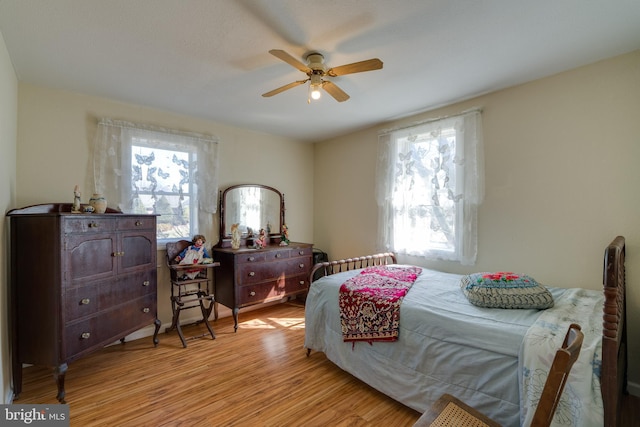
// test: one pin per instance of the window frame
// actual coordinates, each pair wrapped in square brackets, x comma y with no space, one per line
[113,160]
[467,160]
[158,143]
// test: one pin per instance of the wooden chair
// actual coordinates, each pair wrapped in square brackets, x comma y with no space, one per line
[187,293]
[450,411]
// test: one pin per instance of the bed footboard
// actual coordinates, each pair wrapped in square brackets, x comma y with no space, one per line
[333,267]
[613,379]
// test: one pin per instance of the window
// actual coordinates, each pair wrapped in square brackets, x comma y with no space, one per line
[429,186]
[143,169]
[161,184]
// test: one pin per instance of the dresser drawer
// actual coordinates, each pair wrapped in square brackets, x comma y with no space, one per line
[255,273]
[277,255]
[301,252]
[88,224]
[87,300]
[94,331]
[137,223]
[262,292]
[251,257]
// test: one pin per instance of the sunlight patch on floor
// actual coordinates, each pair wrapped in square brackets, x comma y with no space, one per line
[273,322]
[289,322]
[255,324]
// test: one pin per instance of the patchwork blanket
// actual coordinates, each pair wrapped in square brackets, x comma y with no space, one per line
[370,302]
[581,401]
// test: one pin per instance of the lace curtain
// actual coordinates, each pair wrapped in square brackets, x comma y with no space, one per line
[118,178]
[430,181]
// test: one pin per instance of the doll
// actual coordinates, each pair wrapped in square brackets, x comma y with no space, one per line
[284,241]
[236,235]
[193,254]
[75,208]
[261,241]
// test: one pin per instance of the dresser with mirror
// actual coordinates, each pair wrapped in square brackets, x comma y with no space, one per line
[250,273]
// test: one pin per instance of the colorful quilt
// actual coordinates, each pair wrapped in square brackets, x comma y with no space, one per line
[370,302]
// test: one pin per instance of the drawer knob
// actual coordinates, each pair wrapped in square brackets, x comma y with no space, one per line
[93,224]
[252,293]
[300,252]
[278,255]
[145,283]
[301,265]
[146,310]
[85,335]
[301,282]
[251,258]
[85,301]
[252,273]
[115,254]
[138,223]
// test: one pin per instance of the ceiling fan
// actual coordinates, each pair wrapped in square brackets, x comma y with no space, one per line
[317,73]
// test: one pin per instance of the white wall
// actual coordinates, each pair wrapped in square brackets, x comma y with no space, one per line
[8,138]
[55,139]
[562,181]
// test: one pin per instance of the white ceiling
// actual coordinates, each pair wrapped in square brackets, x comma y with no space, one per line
[209,58]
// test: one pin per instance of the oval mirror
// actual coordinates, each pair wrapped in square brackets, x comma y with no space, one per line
[252,207]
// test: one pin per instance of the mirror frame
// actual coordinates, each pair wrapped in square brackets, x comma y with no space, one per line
[225,239]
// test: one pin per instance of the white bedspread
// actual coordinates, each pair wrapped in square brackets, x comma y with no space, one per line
[445,345]
[581,401]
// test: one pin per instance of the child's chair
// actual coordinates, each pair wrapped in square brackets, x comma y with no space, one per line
[189,293]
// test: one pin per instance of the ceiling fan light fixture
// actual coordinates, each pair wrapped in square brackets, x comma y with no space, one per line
[315,92]
[315,69]
[315,86]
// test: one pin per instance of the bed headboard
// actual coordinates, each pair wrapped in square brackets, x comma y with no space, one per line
[332,267]
[614,334]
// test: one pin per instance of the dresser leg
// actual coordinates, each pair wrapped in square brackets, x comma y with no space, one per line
[17,373]
[155,334]
[58,375]
[235,319]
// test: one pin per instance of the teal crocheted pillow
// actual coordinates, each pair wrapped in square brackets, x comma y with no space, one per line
[505,289]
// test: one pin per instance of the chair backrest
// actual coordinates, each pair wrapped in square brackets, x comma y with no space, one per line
[563,361]
[174,249]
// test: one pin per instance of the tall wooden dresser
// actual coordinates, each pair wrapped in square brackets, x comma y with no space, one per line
[78,283]
[254,276]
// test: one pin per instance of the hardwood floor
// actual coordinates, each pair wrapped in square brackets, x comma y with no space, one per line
[259,376]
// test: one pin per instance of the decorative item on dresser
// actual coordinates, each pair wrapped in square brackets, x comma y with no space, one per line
[78,282]
[249,276]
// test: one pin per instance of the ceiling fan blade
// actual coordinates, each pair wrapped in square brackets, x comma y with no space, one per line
[335,91]
[356,67]
[285,87]
[281,54]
